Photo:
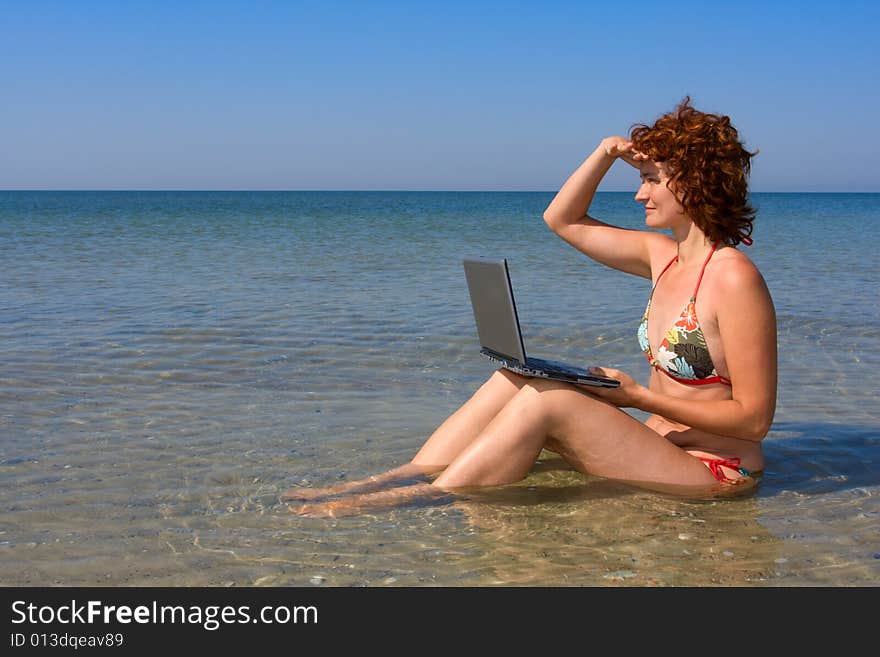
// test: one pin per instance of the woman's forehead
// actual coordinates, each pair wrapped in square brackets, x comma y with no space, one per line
[651,168]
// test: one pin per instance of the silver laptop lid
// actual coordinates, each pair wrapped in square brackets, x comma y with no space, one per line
[494,309]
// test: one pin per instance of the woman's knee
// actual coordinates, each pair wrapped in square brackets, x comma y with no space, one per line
[541,384]
[502,374]
[549,398]
[531,399]
[505,381]
[559,400]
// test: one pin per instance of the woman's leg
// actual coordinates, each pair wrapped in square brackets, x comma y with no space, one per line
[444,445]
[594,436]
[462,427]
[374,482]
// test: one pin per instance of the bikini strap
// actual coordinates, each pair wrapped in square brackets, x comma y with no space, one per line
[674,258]
[700,279]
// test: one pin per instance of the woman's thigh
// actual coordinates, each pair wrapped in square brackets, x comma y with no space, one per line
[598,438]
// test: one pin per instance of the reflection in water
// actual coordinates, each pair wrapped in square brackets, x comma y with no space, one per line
[559,528]
[821,495]
[815,458]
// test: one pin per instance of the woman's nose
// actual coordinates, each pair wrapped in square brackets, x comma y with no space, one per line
[642,194]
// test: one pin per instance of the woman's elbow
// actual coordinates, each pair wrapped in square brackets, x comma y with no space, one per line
[551,220]
[757,426]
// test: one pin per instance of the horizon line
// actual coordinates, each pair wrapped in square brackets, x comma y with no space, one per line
[385,191]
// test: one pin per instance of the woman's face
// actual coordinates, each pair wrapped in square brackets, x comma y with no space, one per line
[662,208]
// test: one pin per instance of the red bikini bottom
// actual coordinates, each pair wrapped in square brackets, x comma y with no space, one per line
[715,466]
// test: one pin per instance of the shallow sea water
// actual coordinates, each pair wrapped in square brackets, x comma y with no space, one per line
[173,361]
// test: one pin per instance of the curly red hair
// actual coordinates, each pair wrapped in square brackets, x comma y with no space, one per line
[709,169]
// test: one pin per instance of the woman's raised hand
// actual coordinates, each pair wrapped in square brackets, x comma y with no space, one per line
[621,147]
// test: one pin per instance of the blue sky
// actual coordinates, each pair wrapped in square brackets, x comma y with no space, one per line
[423,95]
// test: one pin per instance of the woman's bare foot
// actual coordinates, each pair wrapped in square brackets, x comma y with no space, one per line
[312,493]
[331,509]
[349,506]
[376,482]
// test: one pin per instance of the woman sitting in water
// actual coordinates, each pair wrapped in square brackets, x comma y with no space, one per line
[708,332]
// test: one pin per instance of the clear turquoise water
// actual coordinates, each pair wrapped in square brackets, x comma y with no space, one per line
[172,361]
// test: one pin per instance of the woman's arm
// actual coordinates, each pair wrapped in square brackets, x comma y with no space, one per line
[620,248]
[747,323]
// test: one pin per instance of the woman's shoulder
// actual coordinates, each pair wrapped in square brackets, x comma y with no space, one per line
[734,272]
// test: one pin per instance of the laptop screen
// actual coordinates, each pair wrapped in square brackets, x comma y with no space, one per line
[494,308]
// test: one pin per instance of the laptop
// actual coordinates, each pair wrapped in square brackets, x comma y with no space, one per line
[499,331]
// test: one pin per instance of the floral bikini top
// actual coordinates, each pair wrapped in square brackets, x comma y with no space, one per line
[683,354]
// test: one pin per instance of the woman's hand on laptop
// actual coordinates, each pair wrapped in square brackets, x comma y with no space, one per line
[627,395]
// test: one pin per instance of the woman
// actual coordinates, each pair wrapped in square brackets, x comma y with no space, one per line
[708,332]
